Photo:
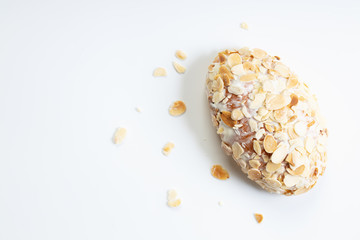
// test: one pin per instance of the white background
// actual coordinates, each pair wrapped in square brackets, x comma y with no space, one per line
[71,72]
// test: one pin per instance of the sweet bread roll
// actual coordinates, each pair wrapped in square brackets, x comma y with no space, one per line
[267,119]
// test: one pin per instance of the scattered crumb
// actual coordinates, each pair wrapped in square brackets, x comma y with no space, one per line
[259,217]
[167,148]
[180,55]
[173,201]
[119,135]
[179,68]
[219,172]
[138,109]
[159,72]
[177,108]
[221,203]
[244,25]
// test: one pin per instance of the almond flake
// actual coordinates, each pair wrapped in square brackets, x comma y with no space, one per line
[167,148]
[254,163]
[290,180]
[257,147]
[237,114]
[289,159]
[219,172]
[179,68]
[254,174]
[253,125]
[217,85]
[119,135]
[238,69]
[300,128]
[280,115]
[269,127]
[309,144]
[171,195]
[180,55]
[174,203]
[279,154]
[297,171]
[234,59]
[235,90]
[244,26]
[237,150]
[272,167]
[248,77]
[282,70]
[159,72]
[218,97]
[258,101]
[222,58]
[276,101]
[226,148]
[259,134]
[245,112]
[177,108]
[220,130]
[259,53]
[294,100]
[226,118]
[248,66]
[270,143]
[292,82]
[273,182]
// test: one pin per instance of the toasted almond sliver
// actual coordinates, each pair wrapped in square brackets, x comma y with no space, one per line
[237,150]
[167,148]
[297,171]
[259,53]
[248,77]
[290,180]
[258,217]
[119,135]
[234,59]
[253,125]
[289,159]
[254,174]
[179,68]
[218,97]
[257,147]
[258,101]
[282,70]
[177,108]
[171,195]
[235,90]
[238,69]
[300,128]
[180,55]
[269,127]
[273,182]
[174,203]
[272,167]
[279,154]
[159,72]
[219,172]
[254,163]
[226,118]
[244,26]
[292,82]
[236,114]
[270,144]
[276,101]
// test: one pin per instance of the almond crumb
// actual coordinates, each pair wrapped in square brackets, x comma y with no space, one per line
[244,26]
[119,135]
[167,148]
[258,217]
[180,55]
[177,108]
[174,203]
[179,68]
[160,72]
[219,172]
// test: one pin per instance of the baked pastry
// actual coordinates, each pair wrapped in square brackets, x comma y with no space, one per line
[267,119]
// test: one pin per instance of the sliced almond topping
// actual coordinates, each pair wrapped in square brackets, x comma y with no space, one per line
[159,72]
[269,127]
[179,68]
[259,134]
[248,66]
[217,85]
[292,81]
[211,67]
[290,180]
[220,130]
[309,144]
[244,26]
[300,128]
[272,167]
[177,108]
[289,159]
[171,195]
[237,114]
[276,101]
[237,150]
[279,154]
[301,190]
[174,203]
[270,144]
[262,111]
[226,148]
[226,73]
[226,80]
[167,148]
[258,101]
[311,123]
[282,70]
[219,172]
[245,112]
[297,171]
[248,77]
[218,97]
[259,53]
[253,125]
[280,115]
[254,163]
[273,182]
[254,174]
[235,90]
[119,135]
[180,55]
[234,59]
[294,100]
[226,118]
[257,147]
[238,69]
[222,58]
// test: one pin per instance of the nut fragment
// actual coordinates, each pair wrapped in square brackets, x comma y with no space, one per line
[256,146]
[167,148]
[289,159]
[174,203]
[237,114]
[254,174]
[172,194]
[297,171]
[258,217]
[254,163]
[244,26]
[219,172]
[279,154]
[272,167]
[226,118]
[276,101]
[248,77]
[180,55]
[270,144]
[290,180]
[234,59]
[159,72]
[282,70]
[119,135]
[237,150]
[177,108]
[300,128]
[292,82]
[238,69]
[259,53]
[179,68]
[309,144]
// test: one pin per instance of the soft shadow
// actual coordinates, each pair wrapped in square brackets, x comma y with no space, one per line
[198,117]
